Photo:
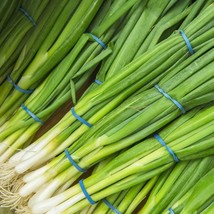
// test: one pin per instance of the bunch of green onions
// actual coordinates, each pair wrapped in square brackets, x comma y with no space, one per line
[102,136]
[201,197]
[116,137]
[170,188]
[55,90]
[18,30]
[134,76]
[42,95]
[6,10]
[175,185]
[119,118]
[190,137]
[53,49]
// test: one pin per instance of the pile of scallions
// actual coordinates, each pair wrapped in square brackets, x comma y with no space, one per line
[139,133]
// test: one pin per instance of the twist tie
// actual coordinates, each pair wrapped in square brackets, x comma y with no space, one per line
[17,87]
[32,114]
[111,206]
[171,211]
[98,82]
[80,118]
[191,51]
[161,141]
[170,98]
[82,186]
[99,41]
[28,16]
[73,162]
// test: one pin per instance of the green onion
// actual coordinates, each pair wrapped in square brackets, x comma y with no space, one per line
[19,25]
[189,133]
[100,96]
[181,179]
[202,195]
[108,136]
[53,49]
[53,91]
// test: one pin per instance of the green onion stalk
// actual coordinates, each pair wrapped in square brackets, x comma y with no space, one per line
[170,18]
[171,187]
[53,49]
[190,137]
[55,91]
[179,203]
[108,134]
[54,12]
[18,30]
[201,197]
[127,200]
[6,11]
[129,40]
[92,209]
[169,21]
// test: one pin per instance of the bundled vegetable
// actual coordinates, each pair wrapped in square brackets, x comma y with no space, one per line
[18,30]
[54,16]
[134,96]
[6,10]
[173,186]
[129,40]
[55,90]
[189,137]
[201,198]
[54,48]
[125,201]
[125,84]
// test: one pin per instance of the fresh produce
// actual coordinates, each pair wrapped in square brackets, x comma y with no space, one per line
[128,83]
[56,89]
[53,49]
[173,186]
[190,137]
[145,122]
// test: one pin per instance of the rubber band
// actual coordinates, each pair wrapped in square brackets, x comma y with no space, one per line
[191,51]
[171,211]
[80,118]
[170,98]
[99,41]
[28,16]
[111,206]
[17,87]
[161,141]
[88,197]
[98,82]
[73,162]
[32,114]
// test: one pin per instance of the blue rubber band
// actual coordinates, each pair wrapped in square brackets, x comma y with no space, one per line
[98,82]
[17,87]
[73,162]
[191,51]
[171,211]
[91,201]
[111,206]
[27,15]
[99,41]
[170,98]
[80,118]
[32,114]
[161,141]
